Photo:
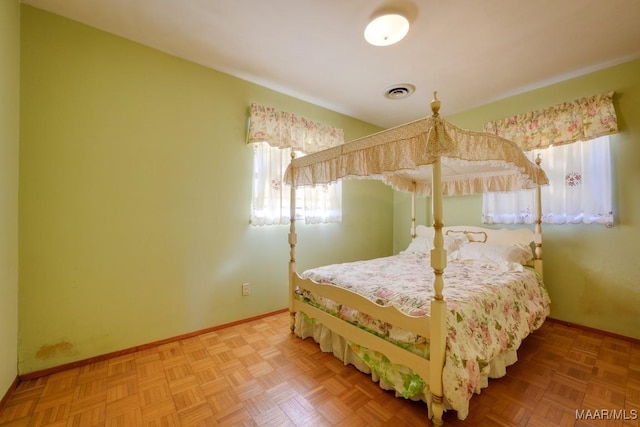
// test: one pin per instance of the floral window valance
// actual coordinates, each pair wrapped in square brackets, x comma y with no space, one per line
[579,120]
[287,130]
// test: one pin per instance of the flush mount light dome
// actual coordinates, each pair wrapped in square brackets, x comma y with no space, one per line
[386,30]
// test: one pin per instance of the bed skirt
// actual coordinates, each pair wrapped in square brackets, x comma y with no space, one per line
[400,379]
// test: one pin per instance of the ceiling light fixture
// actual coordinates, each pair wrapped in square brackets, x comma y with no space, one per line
[386,29]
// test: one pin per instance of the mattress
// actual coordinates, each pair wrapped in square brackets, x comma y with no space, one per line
[490,311]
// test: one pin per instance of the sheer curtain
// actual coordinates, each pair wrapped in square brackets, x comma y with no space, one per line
[274,134]
[572,141]
[579,189]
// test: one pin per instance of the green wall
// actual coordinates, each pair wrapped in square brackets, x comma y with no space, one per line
[135,188]
[9,120]
[591,271]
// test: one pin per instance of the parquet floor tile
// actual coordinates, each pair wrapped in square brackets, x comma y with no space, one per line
[258,374]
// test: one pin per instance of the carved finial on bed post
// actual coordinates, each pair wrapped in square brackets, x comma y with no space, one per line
[435,104]
[292,246]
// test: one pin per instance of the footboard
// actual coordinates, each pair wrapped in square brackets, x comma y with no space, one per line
[396,355]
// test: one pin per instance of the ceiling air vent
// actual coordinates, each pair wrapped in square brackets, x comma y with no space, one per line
[399,91]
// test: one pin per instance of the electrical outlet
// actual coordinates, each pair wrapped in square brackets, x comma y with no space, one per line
[246,290]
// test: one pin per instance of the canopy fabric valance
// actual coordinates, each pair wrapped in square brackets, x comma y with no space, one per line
[402,157]
[287,130]
[579,120]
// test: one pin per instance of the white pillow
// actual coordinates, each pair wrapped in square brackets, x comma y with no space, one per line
[424,231]
[495,253]
[424,244]
[452,243]
[419,245]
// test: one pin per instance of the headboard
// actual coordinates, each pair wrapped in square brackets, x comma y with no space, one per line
[504,236]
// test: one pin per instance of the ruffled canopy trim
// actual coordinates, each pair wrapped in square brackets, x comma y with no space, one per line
[403,156]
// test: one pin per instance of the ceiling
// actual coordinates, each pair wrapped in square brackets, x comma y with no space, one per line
[471,51]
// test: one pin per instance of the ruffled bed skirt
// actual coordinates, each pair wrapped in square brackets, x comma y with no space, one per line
[390,377]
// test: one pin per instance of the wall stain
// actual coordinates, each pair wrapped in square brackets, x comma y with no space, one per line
[49,351]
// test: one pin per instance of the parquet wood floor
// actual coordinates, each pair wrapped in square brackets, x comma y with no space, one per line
[258,374]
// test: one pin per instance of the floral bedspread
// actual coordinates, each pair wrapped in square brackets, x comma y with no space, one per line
[490,310]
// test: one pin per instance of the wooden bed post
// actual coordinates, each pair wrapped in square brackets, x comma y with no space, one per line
[292,248]
[537,237]
[413,211]
[438,340]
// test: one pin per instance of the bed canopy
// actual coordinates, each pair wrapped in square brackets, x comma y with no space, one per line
[403,157]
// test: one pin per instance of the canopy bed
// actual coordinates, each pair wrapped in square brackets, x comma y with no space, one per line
[389,317]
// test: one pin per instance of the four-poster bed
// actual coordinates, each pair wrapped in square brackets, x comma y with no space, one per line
[410,344]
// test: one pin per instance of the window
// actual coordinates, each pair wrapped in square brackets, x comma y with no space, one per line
[579,189]
[572,140]
[271,198]
[274,134]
